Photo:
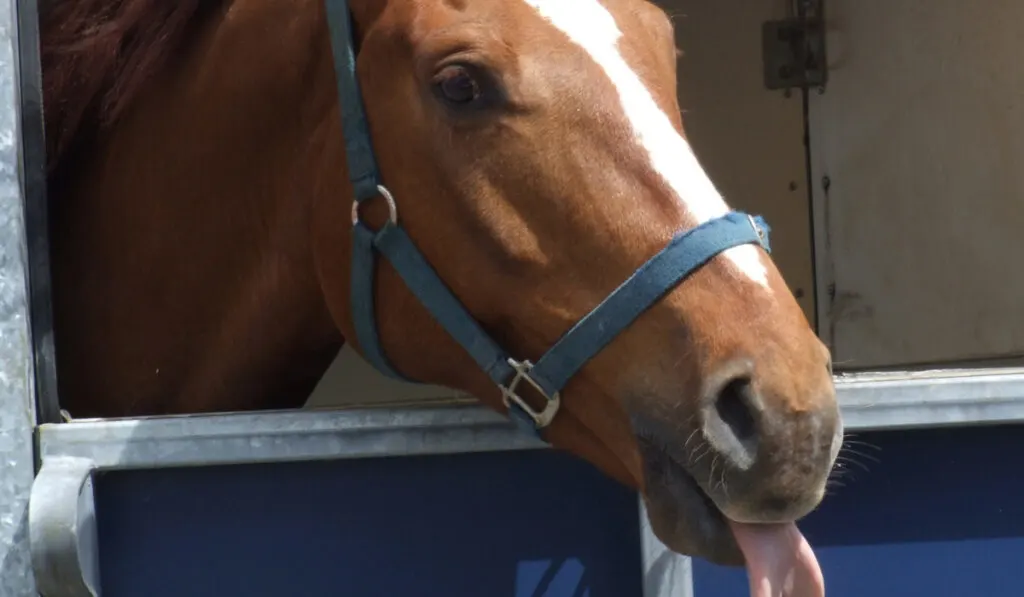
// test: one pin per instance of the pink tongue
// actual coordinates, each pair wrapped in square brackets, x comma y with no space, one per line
[780,562]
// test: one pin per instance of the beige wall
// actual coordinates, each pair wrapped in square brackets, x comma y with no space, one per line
[921,135]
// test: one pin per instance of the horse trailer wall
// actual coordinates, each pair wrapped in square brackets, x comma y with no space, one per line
[893,223]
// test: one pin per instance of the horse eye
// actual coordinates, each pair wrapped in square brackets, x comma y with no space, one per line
[457,86]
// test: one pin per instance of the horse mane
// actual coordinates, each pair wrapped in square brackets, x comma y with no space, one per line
[97,55]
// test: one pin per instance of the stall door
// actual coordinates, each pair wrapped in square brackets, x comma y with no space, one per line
[535,523]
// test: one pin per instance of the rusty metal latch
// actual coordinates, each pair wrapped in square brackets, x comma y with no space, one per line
[793,49]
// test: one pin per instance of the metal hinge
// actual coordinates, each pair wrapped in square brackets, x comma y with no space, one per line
[793,49]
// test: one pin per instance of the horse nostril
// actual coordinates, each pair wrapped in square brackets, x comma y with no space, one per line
[732,420]
[734,409]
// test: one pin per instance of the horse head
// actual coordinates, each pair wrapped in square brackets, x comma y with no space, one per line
[534,153]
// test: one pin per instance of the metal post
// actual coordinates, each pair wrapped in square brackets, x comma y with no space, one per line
[33,181]
[17,373]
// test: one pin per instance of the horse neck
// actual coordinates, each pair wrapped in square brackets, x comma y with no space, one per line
[183,270]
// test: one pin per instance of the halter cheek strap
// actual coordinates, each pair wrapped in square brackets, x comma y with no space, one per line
[685,253]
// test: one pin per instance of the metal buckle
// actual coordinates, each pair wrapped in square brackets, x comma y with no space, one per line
[541,418]
[758,229]
[388,199]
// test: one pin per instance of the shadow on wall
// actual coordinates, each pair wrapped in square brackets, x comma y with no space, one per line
[350,381]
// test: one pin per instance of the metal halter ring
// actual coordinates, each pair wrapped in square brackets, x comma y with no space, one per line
[388,199]
[757,228]
[541,418]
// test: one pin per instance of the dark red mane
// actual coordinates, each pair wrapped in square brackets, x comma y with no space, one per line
[98,54]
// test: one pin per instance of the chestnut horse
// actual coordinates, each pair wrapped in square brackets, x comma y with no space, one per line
[207,255]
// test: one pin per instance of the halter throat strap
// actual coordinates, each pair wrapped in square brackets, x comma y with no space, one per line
[685,253]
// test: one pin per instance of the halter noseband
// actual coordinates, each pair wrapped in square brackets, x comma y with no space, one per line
[685,253]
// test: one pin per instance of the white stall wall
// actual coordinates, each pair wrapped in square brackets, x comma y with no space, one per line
[920,135]
[749,139]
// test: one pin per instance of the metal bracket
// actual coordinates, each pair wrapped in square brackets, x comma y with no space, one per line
[62,528]
[793,49]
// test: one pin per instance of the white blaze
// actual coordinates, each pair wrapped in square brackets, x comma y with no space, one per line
[588,24]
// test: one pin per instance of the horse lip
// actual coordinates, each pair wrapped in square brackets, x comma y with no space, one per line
[706,529]
[711,510]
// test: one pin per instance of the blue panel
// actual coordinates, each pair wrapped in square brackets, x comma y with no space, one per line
[940,513]
[510,524]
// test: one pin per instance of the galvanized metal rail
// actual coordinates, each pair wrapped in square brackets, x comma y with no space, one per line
[20,127]
[63,530]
